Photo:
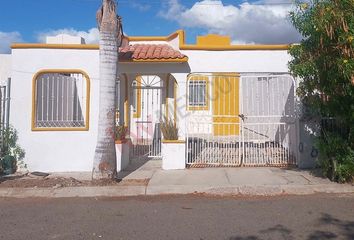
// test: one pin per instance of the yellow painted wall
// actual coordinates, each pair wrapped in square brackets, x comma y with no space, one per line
[213,39]
[226,96]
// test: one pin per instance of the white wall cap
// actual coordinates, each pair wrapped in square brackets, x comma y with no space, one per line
[64,39]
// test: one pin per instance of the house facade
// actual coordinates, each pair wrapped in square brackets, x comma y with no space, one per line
[234,105]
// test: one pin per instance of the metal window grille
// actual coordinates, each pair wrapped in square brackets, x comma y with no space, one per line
[197,93]
[60,100]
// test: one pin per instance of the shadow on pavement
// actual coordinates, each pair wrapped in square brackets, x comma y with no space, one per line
[343,230]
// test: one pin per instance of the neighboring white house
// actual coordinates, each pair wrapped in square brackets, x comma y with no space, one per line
[5,67]
[233,104]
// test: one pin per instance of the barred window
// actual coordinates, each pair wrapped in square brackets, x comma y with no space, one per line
[198,93]
[61,100]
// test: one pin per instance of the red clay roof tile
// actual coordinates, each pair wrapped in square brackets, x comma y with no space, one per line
[149,52]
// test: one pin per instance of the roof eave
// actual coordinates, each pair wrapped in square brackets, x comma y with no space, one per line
[177,60]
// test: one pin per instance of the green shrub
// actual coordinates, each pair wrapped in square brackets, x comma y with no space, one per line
[12,154]
[169,130]
[121,132]
[336,157]
[324,61]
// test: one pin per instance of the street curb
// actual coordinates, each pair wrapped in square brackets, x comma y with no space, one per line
[126,191]
[251,190]
[71,192]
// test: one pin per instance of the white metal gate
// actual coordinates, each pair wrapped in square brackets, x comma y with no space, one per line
[145,102]
[247,121]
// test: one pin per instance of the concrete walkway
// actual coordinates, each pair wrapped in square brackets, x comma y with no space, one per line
[215,181]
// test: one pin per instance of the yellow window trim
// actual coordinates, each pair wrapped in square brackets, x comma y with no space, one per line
[198,77]
[88,86]
[137,112]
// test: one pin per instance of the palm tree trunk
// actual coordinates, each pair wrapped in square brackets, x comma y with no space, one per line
[104,165]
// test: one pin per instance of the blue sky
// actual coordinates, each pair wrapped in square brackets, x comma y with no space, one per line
[246,22]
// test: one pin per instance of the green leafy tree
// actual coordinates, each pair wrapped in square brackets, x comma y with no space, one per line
[324,61]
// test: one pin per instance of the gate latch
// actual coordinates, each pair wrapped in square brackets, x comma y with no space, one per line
[242,117]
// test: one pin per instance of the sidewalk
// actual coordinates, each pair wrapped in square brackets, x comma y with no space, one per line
[147,178]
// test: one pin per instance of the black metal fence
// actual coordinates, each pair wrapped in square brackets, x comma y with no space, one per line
[332,125]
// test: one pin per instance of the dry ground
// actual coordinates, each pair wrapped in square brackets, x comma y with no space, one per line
[33,181]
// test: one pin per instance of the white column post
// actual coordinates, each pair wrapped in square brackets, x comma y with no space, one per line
[181,108]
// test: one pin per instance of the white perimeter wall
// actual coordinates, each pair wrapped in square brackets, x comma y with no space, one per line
[53,151]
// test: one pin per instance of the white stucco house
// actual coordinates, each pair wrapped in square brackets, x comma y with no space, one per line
[234,105]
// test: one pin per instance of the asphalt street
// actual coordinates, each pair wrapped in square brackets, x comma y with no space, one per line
[179,217]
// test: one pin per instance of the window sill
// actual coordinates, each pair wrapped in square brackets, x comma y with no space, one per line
[69,129]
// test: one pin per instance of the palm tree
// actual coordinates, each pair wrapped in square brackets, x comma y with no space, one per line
[109,24]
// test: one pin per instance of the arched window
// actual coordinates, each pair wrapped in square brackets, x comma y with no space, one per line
[61,100]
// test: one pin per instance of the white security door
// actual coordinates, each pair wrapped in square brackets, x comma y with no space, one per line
[146,102]
[269,124]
